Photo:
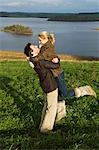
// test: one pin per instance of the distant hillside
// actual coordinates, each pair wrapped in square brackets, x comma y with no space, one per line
[55,16]
[25,14]
[76,17]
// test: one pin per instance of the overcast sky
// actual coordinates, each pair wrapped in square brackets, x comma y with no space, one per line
[59,6]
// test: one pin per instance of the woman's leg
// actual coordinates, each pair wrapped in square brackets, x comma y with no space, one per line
[50,112]
[77,92]
[63,91]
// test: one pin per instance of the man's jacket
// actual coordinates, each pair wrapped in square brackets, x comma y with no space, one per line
[47,80]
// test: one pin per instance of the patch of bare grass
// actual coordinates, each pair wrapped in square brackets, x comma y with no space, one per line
[14,55]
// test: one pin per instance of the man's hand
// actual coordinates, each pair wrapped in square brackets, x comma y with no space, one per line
[55,60]
[31,64]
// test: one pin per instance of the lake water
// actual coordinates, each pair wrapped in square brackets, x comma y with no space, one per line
[76,38]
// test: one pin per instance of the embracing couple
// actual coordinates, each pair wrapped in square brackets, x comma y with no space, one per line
[47,65]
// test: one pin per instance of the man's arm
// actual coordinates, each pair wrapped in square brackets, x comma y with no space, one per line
[50,64]
[46,54]
[39,57]
[46,63]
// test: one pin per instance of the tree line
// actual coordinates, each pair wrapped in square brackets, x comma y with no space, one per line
[55,16]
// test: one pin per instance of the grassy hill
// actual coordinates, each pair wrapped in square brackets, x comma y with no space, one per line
[21,103]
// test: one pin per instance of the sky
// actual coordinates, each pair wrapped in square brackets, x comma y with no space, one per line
[50,6]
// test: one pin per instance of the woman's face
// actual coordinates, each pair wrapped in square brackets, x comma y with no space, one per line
[42,41]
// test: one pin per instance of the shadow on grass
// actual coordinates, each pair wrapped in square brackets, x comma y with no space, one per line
[63,137]
[23,102]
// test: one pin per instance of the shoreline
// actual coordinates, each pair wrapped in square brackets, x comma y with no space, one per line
[19,56]
[78,17]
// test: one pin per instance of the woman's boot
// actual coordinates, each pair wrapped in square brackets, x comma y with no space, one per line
[84,90]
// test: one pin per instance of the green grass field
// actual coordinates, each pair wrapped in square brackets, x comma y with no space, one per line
[21,103]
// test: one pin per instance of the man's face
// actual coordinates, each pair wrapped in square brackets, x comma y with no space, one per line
[34,49]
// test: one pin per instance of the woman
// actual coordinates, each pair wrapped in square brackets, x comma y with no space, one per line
[47,52]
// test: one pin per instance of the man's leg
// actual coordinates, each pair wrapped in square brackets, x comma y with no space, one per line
[50,112]
[61,110]
[43,113]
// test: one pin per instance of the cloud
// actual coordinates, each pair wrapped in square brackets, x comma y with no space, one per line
[49,5]
[31,2]
[92,1]
[46,2]
[11,4]
[37,3]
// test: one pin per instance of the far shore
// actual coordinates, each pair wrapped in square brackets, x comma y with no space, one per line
[19,56]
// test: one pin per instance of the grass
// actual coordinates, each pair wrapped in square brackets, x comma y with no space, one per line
[21,103]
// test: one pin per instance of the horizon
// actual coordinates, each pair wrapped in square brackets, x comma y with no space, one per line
[48,12]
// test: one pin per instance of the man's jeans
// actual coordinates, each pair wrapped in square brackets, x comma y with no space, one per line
[63,91]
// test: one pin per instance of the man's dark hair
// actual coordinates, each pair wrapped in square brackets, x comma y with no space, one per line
[27,49]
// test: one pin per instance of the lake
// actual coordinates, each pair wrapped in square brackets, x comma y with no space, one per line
[76,38]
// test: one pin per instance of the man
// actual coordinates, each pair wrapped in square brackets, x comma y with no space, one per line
[52,110]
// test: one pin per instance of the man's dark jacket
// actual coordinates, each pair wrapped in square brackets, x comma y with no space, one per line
[47,80]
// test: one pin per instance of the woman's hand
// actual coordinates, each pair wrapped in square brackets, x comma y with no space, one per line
[55,60]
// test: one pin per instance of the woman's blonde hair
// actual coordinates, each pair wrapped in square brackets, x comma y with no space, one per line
[45,34]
